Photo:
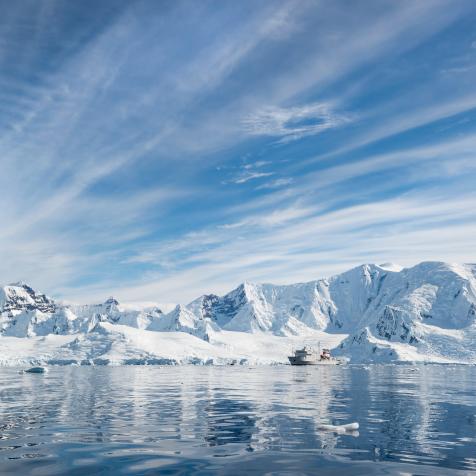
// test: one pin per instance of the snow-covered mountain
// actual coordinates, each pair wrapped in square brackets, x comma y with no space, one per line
[281,310]
[181,319]
[428,311]
[371,313]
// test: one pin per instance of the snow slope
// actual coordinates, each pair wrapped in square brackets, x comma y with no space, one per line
[371,313]
[113,344]
[428,310]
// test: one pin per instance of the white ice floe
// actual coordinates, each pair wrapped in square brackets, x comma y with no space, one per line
[36,370]
[349,427]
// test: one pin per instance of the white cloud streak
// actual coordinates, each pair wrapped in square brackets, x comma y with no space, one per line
[293,123]
[404,231]
[133,96]
[307,241]
[247,176]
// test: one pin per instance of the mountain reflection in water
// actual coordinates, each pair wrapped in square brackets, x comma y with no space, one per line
[238,420]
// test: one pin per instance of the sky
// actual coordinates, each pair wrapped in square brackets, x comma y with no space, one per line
[159,150]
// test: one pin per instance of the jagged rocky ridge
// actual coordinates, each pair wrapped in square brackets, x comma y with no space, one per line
[381,313]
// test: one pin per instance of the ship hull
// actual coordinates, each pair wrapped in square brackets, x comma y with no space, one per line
[295,361]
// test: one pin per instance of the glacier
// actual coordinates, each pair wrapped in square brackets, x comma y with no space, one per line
[371,313]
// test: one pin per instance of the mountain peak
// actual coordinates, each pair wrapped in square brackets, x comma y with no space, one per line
[391,267]
[17,297]
[111,301]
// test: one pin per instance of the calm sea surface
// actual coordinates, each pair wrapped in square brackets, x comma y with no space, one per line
[238,420]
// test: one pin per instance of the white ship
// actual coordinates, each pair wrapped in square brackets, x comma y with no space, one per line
[308,356]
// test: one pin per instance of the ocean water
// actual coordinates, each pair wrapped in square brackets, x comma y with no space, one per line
[237,420]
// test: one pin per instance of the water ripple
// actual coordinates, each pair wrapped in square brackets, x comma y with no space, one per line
[235,420]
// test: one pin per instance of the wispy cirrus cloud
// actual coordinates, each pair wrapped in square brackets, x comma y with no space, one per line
[256,165]
[273,218]
[294,123]
[251,171]
[278,183]
[116,140]
[247,175]
[404,230]
[280,242]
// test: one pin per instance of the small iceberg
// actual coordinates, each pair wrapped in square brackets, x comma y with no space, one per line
[349,427]
[36,370]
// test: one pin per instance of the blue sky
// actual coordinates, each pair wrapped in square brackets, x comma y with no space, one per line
[157,150]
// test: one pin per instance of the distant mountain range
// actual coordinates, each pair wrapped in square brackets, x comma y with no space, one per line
[372,313]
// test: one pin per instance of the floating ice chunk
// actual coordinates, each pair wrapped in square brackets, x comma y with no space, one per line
[340,428]
[36,370]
